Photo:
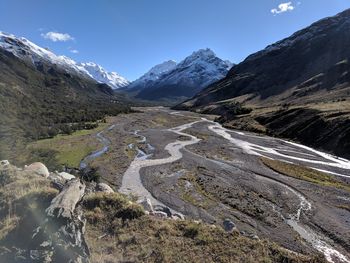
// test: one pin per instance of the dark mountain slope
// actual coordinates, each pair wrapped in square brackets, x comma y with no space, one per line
[40,100]
[309,70]
[315,57]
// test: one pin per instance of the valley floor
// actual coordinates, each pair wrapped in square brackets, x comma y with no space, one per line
[270,188]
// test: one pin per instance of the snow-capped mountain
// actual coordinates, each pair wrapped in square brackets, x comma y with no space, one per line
[201,68]
[182,80]
[152,75]
[310,66]
[28,51]
[112,79]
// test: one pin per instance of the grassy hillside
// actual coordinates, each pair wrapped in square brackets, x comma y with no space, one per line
[119,230]
[41,101]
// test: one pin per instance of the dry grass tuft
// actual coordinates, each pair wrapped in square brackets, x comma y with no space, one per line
[306,174]
[113,237]
[24,197]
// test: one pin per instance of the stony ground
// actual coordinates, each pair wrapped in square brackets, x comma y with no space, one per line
[224,175]
[48,217]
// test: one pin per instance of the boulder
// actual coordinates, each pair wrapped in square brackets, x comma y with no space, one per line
[229,226]
[57,181]
[147,205]
[102,187]
[66,176]
[255,237]
[38,168]
[4,163]
[178,216]
[63,205]
[159,214]
[163,209]
[61,237]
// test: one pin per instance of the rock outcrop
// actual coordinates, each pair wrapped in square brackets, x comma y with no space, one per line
[38,168]
[102,187]
[66,176]
[4,163]
[229,226]
[61,238]
[147,205]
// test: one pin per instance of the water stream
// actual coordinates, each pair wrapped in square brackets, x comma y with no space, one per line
[293,220]
[92,156]
[132,184]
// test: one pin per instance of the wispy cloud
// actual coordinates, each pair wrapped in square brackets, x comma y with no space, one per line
[74,51]
[282,8]
[55,36]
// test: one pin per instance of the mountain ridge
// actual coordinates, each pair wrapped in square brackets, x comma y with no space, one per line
[304,76]
[40,99]
[294,60]
[29,51]
[98,73]
[182,80]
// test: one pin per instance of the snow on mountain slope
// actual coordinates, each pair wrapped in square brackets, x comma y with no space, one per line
[112,79]
[203,67]
[185,79]
[28,51]
[153,75]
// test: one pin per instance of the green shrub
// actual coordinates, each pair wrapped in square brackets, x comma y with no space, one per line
[90,175]
[112,205]
[191,230]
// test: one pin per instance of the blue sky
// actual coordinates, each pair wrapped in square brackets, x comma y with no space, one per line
[130,36]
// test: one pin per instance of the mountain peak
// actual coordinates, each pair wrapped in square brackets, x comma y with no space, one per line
[175,81]
[98,73]
[201,54]
[153,74]
[162,68]
[26,50]
[206,52]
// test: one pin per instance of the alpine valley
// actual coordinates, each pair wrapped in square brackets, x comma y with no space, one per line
[197,161]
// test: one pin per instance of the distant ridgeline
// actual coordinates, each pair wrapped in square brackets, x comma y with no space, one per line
[298,88]
[172,82]
[41,97]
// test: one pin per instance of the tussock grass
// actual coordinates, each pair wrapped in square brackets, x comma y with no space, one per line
[345,207]
[7,225]
[113,237]
[305,174]
[103,207]
[196,195]
[68,150]
[16,184]
[118,230]
[24,196]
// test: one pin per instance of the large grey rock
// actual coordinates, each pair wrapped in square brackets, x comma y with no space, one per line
[61,237]
[63,205]
[163,209]
[147,205]
[4,163]
[38,168]
[102,187]
[159,214]
[177,216]
[229,226]
[66,176]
